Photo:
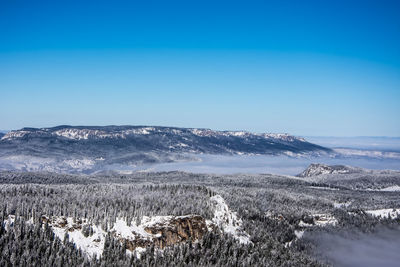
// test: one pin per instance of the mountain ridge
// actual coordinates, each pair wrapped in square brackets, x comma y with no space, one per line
[84,147]
[145,129]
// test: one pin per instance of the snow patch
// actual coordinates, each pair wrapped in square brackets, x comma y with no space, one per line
[227,220]
[121,229]
[340,205]
[92,244]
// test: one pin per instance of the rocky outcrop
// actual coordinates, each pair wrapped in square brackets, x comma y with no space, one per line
[160,231]
[178,229]
[70,224]
[165,231]
[320,169]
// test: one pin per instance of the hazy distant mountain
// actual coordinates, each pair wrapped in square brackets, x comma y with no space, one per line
[341,176]
[84,147]
[316,169]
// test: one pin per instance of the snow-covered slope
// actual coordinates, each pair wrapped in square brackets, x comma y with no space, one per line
[186,136]
[91,243]
[228,220]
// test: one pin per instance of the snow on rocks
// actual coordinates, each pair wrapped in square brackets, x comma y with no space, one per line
[227,220]
[122,230]
[162,231]
[14,134]
[90,242]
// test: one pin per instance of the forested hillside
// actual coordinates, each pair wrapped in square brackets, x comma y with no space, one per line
[56,219]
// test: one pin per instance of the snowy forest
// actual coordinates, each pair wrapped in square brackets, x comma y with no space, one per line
[276,213]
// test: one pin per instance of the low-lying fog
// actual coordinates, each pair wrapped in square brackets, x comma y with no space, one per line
[267,164]
[370,153]
[363,142]
[345,249]
[366,152]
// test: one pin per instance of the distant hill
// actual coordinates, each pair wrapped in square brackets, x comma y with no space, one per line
[340,176]
[317,169]
[84,147]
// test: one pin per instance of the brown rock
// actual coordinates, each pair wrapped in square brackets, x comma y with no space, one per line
[178,229]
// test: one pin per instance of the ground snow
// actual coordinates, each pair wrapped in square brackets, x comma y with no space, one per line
[92,245]
[227,220]
[122,229]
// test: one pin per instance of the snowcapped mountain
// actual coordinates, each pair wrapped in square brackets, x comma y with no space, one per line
[84,148]
[167,139]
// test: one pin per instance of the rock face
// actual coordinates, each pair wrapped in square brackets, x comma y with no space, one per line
[178,229]
[170,231]
[320,169]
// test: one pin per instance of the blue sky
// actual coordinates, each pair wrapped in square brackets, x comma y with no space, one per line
[305,67]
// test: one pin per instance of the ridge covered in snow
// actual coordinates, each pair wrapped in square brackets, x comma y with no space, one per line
[79,149]
[123,132]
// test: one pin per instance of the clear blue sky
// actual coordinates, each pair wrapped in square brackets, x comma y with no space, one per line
[303,67]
